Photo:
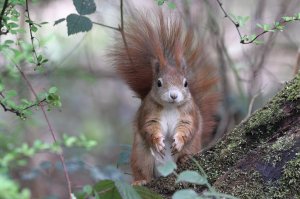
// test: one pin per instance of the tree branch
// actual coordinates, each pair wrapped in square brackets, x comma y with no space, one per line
[237,26]
[16,111]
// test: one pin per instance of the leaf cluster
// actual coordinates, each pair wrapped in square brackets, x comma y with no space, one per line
[79,22]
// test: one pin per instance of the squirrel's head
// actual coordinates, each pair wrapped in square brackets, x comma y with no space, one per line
[170,85]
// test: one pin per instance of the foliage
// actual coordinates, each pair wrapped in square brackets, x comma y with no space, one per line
[10,189]
[17,155]
[79,23]
[171,5]
[108,189]
[191,177]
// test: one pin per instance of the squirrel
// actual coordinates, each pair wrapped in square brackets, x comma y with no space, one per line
[163,64]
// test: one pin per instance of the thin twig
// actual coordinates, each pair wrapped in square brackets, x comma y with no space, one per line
[106,26]
[250,108]
[121,29]
[16,111]
[5,108]
[237,25]
[33,105]
[121,13]
[31,34]
[61,156]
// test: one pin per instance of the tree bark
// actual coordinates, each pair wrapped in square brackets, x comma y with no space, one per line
[260,158]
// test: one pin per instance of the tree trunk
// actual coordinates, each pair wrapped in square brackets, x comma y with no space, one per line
[260,158]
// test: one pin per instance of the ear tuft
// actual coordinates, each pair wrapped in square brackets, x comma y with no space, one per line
[155,66]
[183,65]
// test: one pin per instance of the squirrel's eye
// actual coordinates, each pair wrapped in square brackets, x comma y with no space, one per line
[159,82]
[185,84]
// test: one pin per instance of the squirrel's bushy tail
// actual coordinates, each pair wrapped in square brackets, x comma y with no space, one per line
[153,35]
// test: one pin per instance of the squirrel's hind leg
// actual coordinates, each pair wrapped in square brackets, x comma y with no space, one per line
[142,162]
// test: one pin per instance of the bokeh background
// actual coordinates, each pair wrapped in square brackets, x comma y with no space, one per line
[97,103]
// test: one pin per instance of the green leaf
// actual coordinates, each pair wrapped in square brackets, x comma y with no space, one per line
[33,28]
[8,42]
[59,21]
[39,58]
[160,2]
[266,27]
[191,177]
[11,93]
[77,23]
[52,90]
[145,193]
[12,25]
[167,168]
[287,18]
[258,42]
[171,5]
[185,194]
[107,190]
[85,7]
[1,87]
[260,26]
[70,141]
[126,190]
[104,185]
[88,189]
[251,37]
[234,18]
[218,195]
[242,20]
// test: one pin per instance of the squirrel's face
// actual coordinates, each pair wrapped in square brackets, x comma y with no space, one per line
[170,87]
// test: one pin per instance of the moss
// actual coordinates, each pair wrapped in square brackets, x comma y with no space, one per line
[288,185]
[291,176]
[235,184]
[282,144]
[293,91]
[255,131]
[250,184]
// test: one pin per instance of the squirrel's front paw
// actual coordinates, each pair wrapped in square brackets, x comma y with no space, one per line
[178,142]
[158,144]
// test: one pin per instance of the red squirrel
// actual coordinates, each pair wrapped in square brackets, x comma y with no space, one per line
[163,64]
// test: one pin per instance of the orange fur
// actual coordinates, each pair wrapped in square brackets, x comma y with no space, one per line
[157,37]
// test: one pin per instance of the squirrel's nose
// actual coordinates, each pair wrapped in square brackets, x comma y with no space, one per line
[173,96]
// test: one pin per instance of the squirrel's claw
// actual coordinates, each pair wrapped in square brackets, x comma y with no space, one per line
[159,146]
[178,143]
[173,149]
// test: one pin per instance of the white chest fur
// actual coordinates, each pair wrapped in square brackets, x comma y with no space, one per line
[169,119]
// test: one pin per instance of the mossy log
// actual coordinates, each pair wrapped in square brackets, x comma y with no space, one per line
[260,158]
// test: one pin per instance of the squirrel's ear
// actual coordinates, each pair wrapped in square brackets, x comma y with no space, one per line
[183,65]
[155,66]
